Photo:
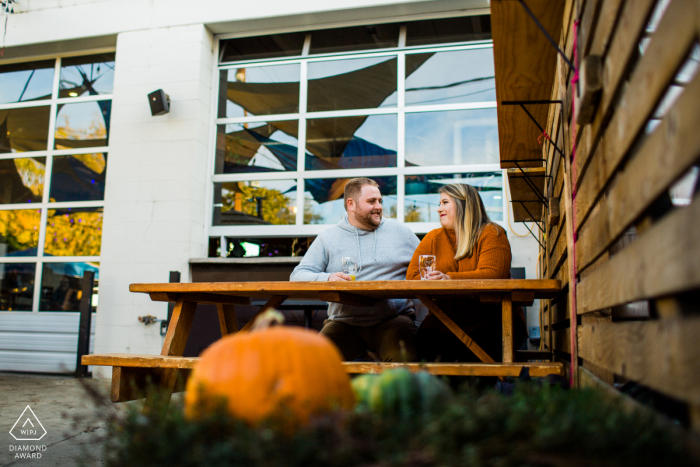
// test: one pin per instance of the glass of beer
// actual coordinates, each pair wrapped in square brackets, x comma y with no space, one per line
[426,264]
[349,266]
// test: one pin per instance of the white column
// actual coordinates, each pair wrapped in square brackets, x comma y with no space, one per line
[156,179]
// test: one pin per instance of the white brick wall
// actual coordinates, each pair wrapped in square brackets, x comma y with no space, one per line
[154,201]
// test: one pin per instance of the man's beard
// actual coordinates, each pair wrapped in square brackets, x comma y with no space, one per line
[366,221]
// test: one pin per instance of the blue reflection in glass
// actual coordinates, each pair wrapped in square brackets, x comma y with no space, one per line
[23,82]
[79,177]
[91,75]
[257,147]
[83,125]
[262,90]
[61,285]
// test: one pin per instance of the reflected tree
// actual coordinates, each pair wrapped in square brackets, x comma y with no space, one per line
[73,234]
[274,203]
[19,230]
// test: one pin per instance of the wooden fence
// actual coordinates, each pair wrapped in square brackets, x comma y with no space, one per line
[626,240]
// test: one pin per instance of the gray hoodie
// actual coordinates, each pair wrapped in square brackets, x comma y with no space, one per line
[382,254]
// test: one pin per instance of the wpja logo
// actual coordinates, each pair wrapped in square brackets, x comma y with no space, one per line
[28,427]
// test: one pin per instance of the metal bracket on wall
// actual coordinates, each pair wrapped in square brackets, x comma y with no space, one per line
[548,36]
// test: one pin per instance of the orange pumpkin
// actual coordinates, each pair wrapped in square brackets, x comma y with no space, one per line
[263,373]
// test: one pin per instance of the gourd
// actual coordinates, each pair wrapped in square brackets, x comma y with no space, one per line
[400,393]
[287,372]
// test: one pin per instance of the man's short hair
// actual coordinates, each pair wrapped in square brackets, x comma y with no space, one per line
[353,188]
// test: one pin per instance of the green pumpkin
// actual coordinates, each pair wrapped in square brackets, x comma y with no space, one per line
[399,392]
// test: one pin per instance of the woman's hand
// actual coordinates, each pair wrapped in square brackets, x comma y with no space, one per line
[438,276]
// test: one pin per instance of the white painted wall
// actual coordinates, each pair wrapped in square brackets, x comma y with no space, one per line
[155,197]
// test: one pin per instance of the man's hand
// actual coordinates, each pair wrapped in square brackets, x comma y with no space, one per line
[339,276]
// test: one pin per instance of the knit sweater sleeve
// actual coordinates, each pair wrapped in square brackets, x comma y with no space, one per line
[494,258]
[424,248]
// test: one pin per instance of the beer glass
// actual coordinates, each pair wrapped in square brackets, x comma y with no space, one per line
[349,266]
[426,264]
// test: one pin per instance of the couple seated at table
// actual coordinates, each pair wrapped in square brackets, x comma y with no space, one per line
[468,246]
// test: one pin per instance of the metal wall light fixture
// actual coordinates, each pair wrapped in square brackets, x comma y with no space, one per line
[159,102]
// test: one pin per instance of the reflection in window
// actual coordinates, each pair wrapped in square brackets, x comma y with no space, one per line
[255,246]
[91,75]
[364,83]
[73,232]
[260,47]
[257,147]
[422,197]
[379,36]
[450,77]
[83,125]
[17,286]
[23,82]
[19,232]
[323,199]
[22,180]
[442,31]
[351,142]
[255,203]
[261,90]
[62,286]
[80,177]
[453,137]
[25,129]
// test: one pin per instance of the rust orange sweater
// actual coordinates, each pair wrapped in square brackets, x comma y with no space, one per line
[490,260]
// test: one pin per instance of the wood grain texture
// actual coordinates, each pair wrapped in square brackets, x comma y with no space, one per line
[663,157]
[521,183]
[459,369]
[661,355]
[661,262]
[179,328]
[456,330]
[524,64]
[228,321]
[543,288]
[507,317]
[274,302]
[346,298]
[203,298]
[667,50]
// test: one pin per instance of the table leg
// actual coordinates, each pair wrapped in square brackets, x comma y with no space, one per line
[456,330]
[507,316]
[227,319]
[174,345]
[274,302]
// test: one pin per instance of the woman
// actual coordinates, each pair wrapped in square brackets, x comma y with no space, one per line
[468,246]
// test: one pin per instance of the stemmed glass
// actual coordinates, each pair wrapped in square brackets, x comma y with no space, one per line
[349,266]
[426,264]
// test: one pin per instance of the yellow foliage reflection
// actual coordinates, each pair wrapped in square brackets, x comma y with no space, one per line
[19,230]
[73,233]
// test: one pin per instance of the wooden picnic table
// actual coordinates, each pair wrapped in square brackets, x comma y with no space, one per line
[131,372]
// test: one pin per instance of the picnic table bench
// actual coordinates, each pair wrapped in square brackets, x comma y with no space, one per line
[170,369]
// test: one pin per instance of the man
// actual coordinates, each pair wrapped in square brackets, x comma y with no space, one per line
[383,248]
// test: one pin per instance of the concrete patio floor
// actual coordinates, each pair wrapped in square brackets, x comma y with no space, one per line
[65,410]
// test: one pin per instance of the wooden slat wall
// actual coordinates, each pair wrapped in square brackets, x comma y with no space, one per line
[637,264]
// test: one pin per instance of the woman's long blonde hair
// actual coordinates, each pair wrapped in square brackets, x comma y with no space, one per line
[470,217]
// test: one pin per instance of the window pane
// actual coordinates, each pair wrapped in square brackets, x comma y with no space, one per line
[23,82]
[62,286]
[73,232]
[17,286]
[83,125]
[257,147]
[351,142]
[454,137]
[422,197]
[22,180]
[19,232]
[450,77]
[263,90]
[380,36]
[255,203]
[80,177]
[440,31]
[24,129]
[323,199]
[91,75]
[253,48]
[364,83]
